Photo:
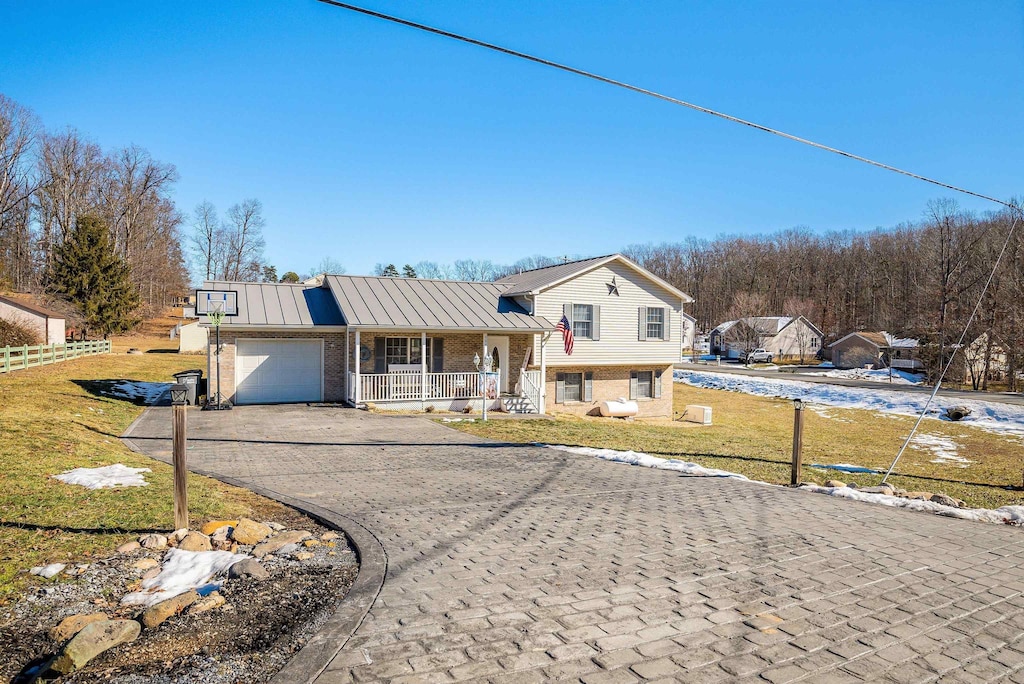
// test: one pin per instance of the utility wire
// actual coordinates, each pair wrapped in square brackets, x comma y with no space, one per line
[651,93]
[760,127]
[959,345]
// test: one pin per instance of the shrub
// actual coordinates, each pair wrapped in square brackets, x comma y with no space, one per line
[17,334]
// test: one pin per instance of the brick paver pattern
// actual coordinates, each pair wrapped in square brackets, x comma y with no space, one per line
[524,564]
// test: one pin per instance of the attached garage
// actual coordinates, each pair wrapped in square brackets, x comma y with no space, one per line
[279,371]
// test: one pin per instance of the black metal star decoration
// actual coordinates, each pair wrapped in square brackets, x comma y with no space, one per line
[613,289]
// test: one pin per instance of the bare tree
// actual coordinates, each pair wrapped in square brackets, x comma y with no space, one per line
[244,228]
[208,242]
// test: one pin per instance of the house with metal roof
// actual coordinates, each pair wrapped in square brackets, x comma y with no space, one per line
[875,349]
[410,343]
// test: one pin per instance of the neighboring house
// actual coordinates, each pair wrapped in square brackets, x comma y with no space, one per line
[876,349]
[981,355]
[409,343]
[784,337]
[49,325]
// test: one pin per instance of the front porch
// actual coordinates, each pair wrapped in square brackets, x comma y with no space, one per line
[400,370]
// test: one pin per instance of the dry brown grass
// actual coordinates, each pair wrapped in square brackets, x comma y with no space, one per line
[754,436]
[54,420]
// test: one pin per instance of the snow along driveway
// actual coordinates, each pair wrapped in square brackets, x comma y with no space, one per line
[992,416]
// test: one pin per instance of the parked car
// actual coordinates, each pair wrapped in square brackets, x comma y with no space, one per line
[756,356]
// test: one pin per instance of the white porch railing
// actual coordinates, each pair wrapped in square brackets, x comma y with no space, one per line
[530,384]
[409,386]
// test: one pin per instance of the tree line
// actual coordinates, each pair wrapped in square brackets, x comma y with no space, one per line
[49,180]
[918,279]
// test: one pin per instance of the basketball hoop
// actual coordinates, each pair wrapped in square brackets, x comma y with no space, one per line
[215,305]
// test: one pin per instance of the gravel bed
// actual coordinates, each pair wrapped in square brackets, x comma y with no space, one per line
[249,639]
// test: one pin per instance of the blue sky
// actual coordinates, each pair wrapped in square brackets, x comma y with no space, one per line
[368,142]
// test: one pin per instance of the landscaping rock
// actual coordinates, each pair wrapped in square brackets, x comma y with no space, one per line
[835,483]
[277,527]
[303,556]
[310,542]
[250,532]
[250,567]
[73,624]
[214,525]
[195,541]
[224,545]
[151,573]
[146,563]
[153,541]
[946,500]
[94,639]
[156,614]
[129,547]
[214,600]
[327,536]
[48,571]
[924,496]
[882,489]
[287,550]
[274,544]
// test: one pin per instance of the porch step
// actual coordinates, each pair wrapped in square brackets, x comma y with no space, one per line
[518,405]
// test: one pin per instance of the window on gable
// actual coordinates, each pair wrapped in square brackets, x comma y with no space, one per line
[583,321]
[655,323]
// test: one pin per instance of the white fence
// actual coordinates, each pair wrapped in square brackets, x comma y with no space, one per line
[409,386]
[18,358]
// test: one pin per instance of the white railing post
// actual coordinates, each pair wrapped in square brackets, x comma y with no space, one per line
[543,374]
[355,399]
[423,370]
[6,366]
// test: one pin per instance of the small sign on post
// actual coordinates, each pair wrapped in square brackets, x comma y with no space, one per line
[798,441]
[179,405]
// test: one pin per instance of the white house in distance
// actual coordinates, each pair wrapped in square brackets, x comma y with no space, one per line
[409,343]
[785,337]
[49,325]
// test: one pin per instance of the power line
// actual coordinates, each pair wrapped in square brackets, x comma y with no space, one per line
[651,93]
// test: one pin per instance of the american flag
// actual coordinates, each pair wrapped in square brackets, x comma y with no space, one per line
[565,327]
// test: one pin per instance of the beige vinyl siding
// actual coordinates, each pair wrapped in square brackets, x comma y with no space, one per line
[619,341]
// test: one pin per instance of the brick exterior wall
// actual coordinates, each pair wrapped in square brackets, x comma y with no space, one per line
[334,359]
[610,383]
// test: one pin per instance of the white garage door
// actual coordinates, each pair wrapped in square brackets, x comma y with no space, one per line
[278,371]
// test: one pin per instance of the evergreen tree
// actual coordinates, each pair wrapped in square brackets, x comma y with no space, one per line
[390,271]
[290,277]
[88,273]
[408,271]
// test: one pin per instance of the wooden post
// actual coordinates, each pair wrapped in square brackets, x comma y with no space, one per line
[798,442]
[180,470]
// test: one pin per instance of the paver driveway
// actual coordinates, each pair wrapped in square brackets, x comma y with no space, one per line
[512,563]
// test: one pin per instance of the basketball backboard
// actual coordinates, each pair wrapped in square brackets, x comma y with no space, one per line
[211,301]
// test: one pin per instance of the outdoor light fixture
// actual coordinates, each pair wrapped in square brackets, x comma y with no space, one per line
[476,361]
[484,367]
[798,404]
[179,395]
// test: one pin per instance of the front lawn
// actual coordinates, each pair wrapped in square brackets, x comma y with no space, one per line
[54,419]
[754,436]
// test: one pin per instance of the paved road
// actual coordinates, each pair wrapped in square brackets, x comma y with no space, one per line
[1016,399]
[516,563]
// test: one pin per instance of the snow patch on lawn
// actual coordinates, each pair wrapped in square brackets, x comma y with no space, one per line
[1008,515]
[882,375]
[181,571]
[946,451]
[639,458]
[1005,419]
[117,475]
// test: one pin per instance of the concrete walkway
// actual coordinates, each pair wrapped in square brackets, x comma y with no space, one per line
[513,563]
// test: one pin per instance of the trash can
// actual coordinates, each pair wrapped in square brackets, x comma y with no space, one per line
[191,378]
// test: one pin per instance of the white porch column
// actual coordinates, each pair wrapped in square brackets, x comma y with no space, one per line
[423,370]
[348,350]
[483,378]
[543,374]
[355,392]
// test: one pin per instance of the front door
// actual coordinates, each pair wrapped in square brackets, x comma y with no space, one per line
[499,350]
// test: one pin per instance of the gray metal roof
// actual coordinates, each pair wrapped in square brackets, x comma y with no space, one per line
[279,304]
[419,303]
[539,278]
